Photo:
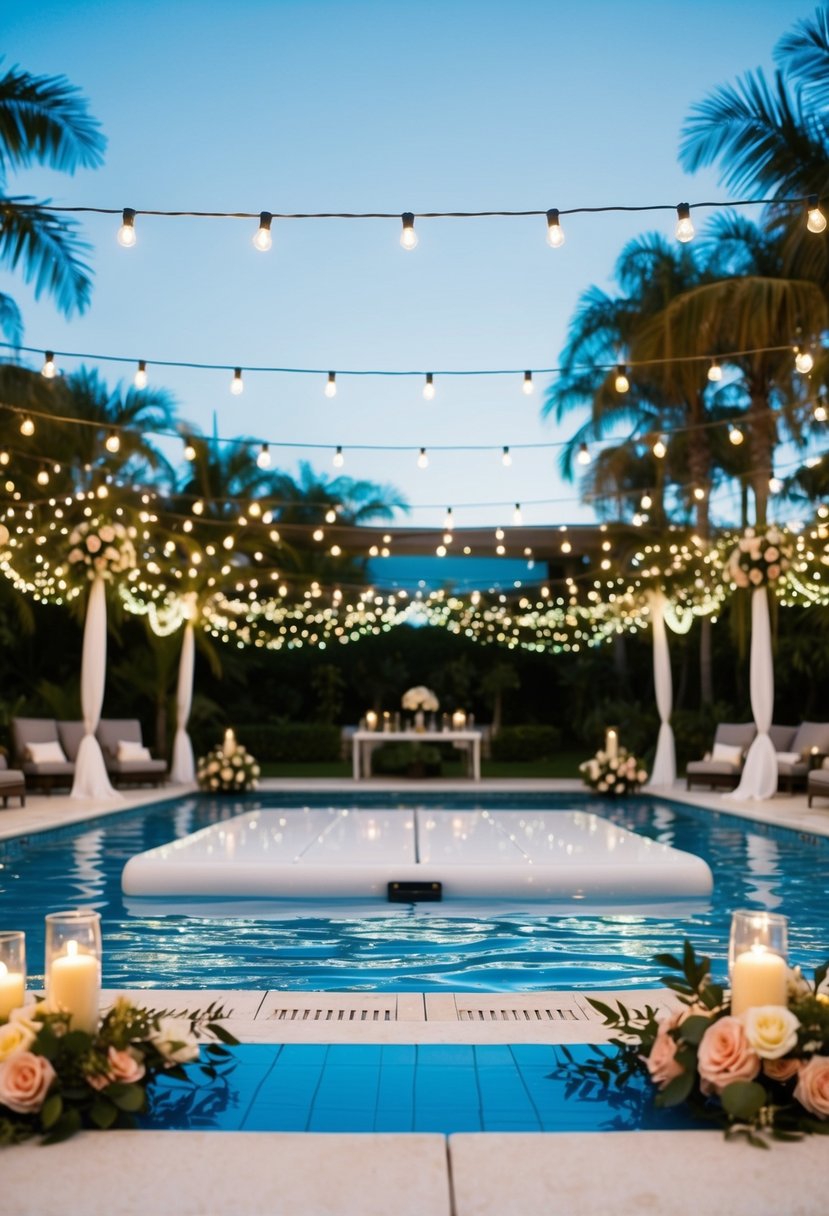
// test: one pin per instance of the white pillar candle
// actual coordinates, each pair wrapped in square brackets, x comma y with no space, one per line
[758,977]
[12,990]
[229,745]
[371,720]
[611,743]
[74,985]
[458,720]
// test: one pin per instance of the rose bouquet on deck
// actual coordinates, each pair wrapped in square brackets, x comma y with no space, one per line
[228,768]
[763,1072]
[54,1080]
[617,774]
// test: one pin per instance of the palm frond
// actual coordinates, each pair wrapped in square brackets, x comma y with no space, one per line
[803,54]
[11,322]
[46,120]
[49,249]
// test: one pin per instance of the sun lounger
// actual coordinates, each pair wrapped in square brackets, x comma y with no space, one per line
[128,761]
[40,754]
[12,783]
[811,739]
[722,767]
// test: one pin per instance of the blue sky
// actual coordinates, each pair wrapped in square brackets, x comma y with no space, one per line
[325,106]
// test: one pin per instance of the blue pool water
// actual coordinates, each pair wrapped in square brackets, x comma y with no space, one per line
[456,947]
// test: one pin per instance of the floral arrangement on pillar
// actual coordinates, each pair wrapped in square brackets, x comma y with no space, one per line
[101,549]
[759,559]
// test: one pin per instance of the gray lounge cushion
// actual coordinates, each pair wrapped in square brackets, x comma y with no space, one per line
[33,730]
[71,734]
[111,731]
[809,736]
[782,737]
[733,734]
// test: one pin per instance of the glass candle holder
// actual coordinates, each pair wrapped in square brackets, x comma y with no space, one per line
[73,966]
[757,950]
[12,971]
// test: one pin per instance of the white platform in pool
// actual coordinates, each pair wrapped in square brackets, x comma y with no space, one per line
[332,853]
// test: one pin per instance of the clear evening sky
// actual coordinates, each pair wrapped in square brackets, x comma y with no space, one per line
[370,106]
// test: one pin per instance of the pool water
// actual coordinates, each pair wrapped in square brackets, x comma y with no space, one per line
[422,947]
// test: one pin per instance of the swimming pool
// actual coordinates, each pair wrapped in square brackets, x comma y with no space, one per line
[459,947]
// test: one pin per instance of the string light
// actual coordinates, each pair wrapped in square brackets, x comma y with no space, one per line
[422,459]
[237,386]
[263,460]
[815,219]
[331,385]
[583,456]
[684,226]
[506,458]
[448,521]
[27,427]
[330,516]
[660,448]
[262,239]
[527,385]
[408,237]
[516,515]
[112,443]
[198,507]
[621,382]
[189,452]
[555,232]
[339,459]
[140,378]
[715,372]
[126,233]
[820,413]
[775,485]
[429,387]
[49,369]
[646,502]
[735,435]
[803,360]
[699,493]
[43,477]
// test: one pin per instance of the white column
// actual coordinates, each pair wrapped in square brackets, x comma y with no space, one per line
[183,769]
[759,779]
[664,764]
[91,778]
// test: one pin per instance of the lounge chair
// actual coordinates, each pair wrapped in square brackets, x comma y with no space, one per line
[722,768]
[128,761]
[818,784]
[811,739]
[12,783]
[39,753]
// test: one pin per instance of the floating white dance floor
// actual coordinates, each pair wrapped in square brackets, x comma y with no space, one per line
[330,854]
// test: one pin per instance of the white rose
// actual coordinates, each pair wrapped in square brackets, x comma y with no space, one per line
[226,774]
[174,1040]
[14,1037]
[107,534]
[771,1030]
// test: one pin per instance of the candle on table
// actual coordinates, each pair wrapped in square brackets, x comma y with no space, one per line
[458,720]
[73,985]
[611,743]
[386,719]
[371,720]
[758,977]
[12,990]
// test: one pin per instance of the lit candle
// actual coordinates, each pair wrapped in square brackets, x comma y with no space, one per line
[371,720]
[12,990]
[74,984]
[387,720]
[611,743]
[758,977]
[458,720]
[229,745]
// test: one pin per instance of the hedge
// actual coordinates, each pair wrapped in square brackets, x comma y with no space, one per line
[526,743]
[303,742]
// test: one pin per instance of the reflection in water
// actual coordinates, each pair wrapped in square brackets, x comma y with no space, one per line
[87,851]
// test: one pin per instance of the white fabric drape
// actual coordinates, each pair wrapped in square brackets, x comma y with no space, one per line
[91,779]
[759,779]
[183,770]
[664,764]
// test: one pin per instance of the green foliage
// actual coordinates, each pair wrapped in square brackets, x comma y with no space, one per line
[393,758]
[526,743]
[300,741]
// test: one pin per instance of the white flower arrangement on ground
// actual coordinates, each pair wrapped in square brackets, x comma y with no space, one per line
[227,768]
[619,774]
[420,697]
[759,558]
[102,549]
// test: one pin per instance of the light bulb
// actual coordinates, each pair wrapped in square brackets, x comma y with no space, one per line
[423,459]
[27,427]
[42,477]
[448,522]
[775,485]
[262,239]
[237,386]
[339,459]
[714,372]
[584,454]
[684,227]
[516,515]
[527,385]
[803,360]
[429,387]
[112,443]
[660,449]
[140,378]
[646,502]
[330,516]
[126,233]
[408,237]
[820,414]
[506,459]
[189,451]
[318,534]
[264,458]
[621,383]
[815,219]
[49,370]
[331,385]
[735,435]
[4,457]
[499,533]
[198,507]
[699,493]
[555,232]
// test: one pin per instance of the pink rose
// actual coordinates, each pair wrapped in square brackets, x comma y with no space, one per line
[725,1055]
[773,572]
[781,1070]
[25,1080]
[126,1066]
[755,576]
[772,554]
[812,1089]
[93,543]
[661,1063]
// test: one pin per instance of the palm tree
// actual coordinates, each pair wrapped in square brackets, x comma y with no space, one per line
[43,119]
[306,498]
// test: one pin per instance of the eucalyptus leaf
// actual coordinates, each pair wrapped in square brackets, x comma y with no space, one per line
[743,1099]
[676,1091]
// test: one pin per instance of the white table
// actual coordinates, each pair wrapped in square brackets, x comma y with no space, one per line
[363,743]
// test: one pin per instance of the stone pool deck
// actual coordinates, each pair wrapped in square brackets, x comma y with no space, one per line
[412,1174]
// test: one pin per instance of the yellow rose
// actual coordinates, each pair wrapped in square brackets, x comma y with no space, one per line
[14,1037]
[771,1030]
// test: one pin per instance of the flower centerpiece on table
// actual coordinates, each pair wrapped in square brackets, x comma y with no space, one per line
[758,559]
[55,1080]
[422,698]
[228,768]
[99,548]
[762,1072]
[606,773]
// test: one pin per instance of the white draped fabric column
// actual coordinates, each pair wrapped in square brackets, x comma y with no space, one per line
[759,779]
[664,764]
[91,778]
[183,770]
